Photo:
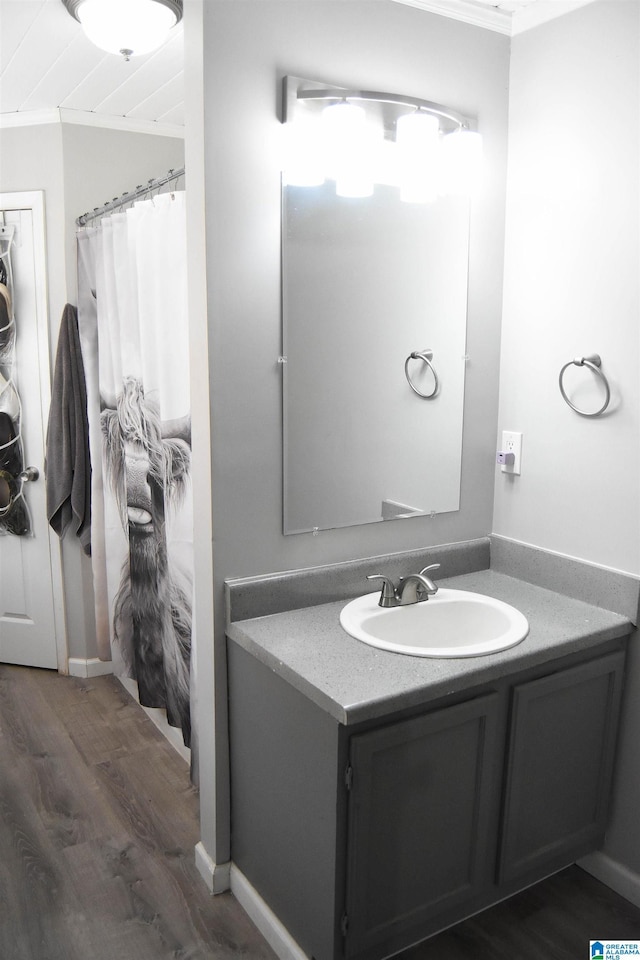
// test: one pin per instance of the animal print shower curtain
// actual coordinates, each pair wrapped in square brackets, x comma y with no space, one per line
[134,334]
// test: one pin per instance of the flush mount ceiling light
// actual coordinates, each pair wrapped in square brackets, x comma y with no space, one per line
[127,27]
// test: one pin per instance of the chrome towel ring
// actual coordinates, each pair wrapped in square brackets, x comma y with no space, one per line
[594,362]
[426,356]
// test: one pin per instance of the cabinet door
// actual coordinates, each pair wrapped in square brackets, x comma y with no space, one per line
[419,822]
[561,753]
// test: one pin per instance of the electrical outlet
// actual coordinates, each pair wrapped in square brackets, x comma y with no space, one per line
[512,443]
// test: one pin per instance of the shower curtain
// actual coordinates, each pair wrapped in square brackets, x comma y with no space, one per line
[134,334]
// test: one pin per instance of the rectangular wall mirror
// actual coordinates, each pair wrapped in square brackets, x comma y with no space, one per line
[371,433]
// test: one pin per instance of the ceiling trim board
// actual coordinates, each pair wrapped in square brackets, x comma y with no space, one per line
[29,118]
[32,118]
[491,18]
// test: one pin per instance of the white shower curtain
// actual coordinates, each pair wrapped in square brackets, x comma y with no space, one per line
[134,332]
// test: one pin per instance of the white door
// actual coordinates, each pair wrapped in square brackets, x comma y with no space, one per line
[30,578]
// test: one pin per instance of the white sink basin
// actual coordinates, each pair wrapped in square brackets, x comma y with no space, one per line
[453,623]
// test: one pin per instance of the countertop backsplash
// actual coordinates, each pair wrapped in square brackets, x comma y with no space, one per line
[277,592]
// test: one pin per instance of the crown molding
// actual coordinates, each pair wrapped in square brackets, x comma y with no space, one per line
[493,18]
[32,118]
[29,118]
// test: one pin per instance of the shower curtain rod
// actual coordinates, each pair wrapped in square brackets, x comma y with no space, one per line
[130,197]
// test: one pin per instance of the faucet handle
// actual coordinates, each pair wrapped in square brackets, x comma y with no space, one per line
[388,595]
[429,569]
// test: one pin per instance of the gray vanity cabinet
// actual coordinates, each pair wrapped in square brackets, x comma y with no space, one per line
[366,838]
[422,794]
[560,758]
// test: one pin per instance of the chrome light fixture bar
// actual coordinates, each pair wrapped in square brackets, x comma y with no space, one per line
[299,92]
[358,138]
[126,27]
[458,120]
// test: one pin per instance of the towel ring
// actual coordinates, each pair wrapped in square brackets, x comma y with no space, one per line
[594,362]
[426,356]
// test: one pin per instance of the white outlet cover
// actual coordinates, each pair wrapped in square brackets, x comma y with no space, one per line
[512,443]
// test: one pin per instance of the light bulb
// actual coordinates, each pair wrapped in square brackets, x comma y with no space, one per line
[417,187]
[418,143]
[417,131]
[350,143]
[129,27]
[462,162]
[302,157]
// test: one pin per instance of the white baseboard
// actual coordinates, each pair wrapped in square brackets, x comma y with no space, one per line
[79,667]
[614,874]
[215,875]
[276,935]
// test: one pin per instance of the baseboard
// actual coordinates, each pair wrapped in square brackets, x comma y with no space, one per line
[614,875]
[215,875]
[276,935]
[80,667]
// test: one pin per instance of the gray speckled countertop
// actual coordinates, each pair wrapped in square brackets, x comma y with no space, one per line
[352,681]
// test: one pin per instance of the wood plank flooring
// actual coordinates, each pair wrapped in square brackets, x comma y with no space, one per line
[553,920]
[98,823]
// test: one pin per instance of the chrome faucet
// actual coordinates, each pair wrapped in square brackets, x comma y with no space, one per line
[416,588]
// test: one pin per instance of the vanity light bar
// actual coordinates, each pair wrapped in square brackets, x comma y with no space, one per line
[357,156]
[462,122]
[301,96]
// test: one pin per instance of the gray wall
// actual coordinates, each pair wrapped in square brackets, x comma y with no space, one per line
[248,47]
[571,288]
[571,285]
[100,164]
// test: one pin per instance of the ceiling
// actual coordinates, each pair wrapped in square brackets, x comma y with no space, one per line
[49,69]
[46,63]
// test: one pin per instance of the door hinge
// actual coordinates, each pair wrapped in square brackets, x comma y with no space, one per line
[344,924]
[348,777]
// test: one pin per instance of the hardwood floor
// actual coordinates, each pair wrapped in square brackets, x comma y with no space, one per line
[98,823]
[553,920]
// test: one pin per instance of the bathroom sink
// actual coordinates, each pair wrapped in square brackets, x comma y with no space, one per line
[453,623]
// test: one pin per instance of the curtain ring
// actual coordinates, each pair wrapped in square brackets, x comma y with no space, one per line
[426,356]
[594,362]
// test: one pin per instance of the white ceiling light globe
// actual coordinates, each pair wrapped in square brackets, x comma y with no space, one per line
[130,27]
